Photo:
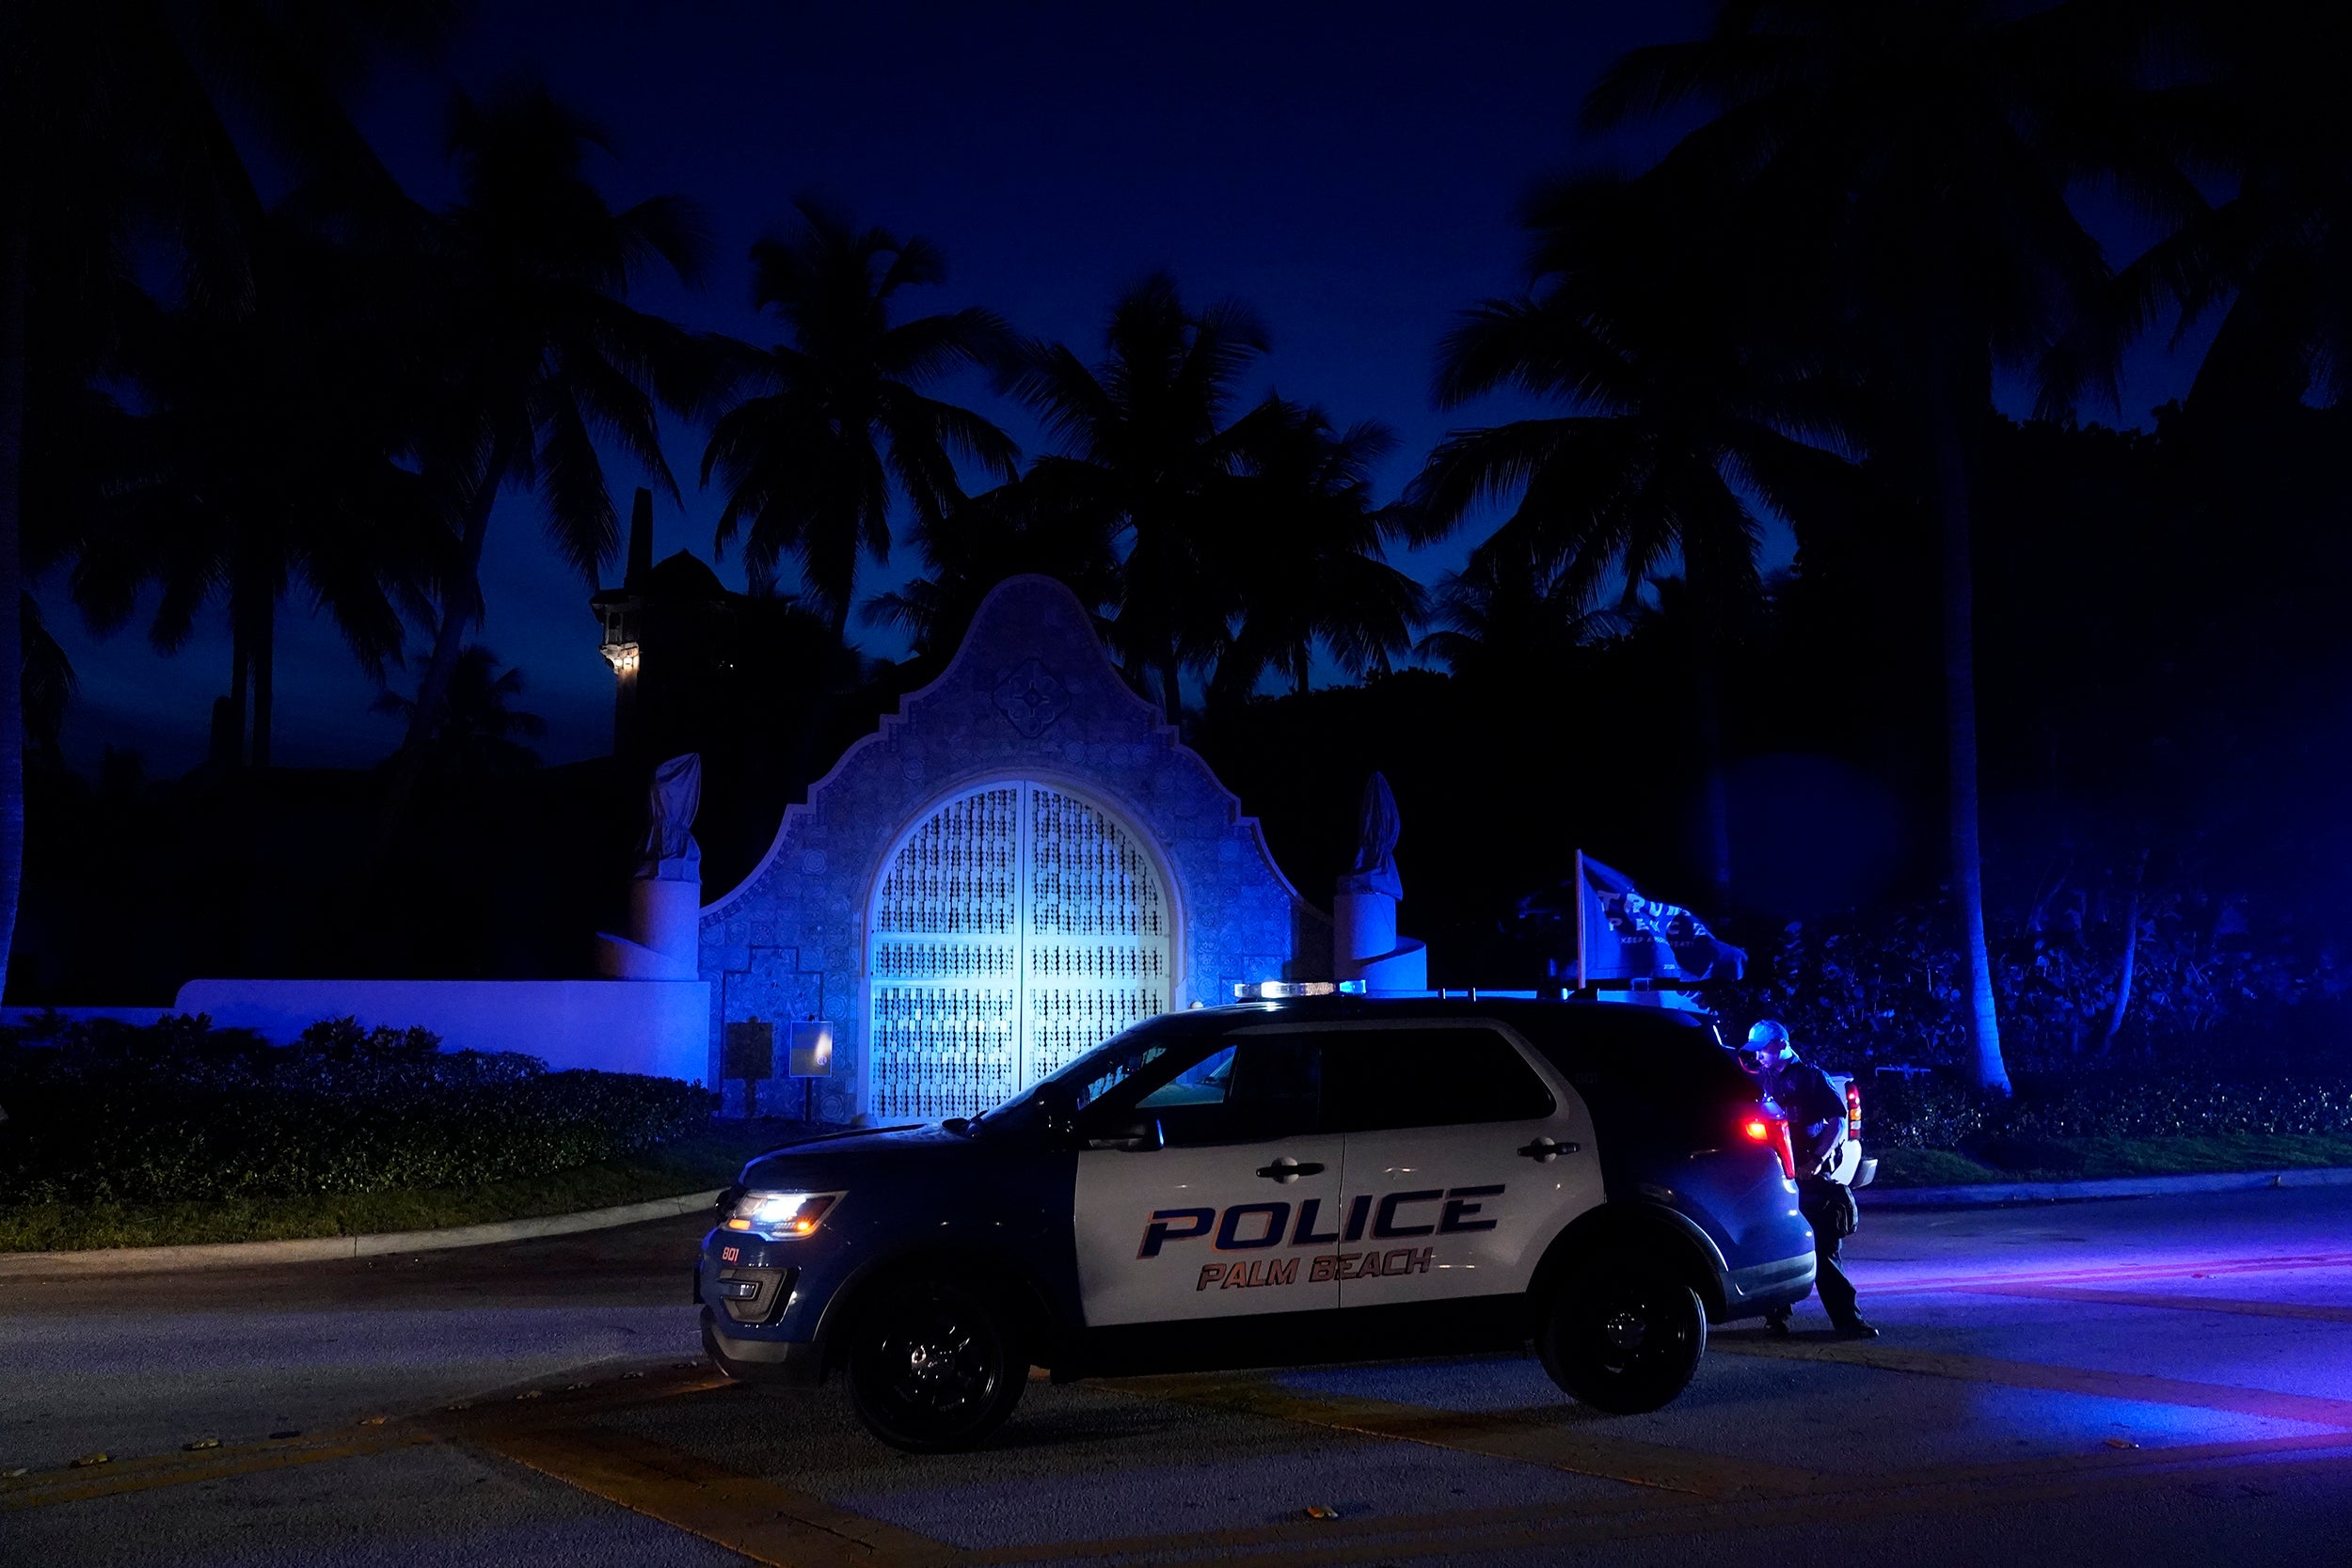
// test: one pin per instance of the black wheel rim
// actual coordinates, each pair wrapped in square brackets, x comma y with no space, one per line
[1636,1335]
[934,1366]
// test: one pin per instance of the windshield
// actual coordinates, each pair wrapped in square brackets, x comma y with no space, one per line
[1108,1064]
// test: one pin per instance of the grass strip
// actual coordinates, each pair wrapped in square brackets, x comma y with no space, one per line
[690,1164]
[2094,1159]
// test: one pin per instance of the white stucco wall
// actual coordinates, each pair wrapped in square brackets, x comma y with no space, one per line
[657,1027]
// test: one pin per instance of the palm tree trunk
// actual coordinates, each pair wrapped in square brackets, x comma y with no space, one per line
[15,282]
[265,658]
[1953,518]
[240,680]
[2123,981]
[460,602]
[2131,958]
[1715,795]
[1707,701]
[1172,690]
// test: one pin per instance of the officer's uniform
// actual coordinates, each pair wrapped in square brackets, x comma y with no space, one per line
[1817,1125]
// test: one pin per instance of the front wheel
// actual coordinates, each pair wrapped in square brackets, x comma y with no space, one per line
[1622,1337]
[934,1366]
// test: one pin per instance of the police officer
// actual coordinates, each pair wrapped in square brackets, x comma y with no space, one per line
[1816,1125]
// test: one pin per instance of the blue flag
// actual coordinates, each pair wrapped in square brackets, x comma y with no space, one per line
[1621,935]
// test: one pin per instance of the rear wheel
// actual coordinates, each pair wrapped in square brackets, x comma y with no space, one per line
[934,1366]
[1623,1337]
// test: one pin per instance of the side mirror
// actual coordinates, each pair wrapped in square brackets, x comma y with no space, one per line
[1057,1107]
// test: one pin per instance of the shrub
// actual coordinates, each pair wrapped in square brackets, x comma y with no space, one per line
[180,1110]
[1940,1112]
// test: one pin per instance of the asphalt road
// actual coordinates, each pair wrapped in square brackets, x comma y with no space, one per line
[2153,1381]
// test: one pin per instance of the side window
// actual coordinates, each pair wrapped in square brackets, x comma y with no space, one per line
[1240,1091]
[1660,1071]
[1438,1076]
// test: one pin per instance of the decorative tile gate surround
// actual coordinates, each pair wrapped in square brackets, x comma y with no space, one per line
[1021,861]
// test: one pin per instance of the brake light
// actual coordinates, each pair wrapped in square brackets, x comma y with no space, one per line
[1853,1110]
[1774,1131]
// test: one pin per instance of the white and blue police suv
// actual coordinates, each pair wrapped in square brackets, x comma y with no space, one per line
[1287,1179]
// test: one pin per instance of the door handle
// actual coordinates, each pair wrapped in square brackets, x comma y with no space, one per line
[1543,1150]
[1287,1169]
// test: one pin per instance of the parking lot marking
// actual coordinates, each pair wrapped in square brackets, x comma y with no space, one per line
[185,1469]
[756,1518]
[1549,1436]
[2168,1268]
[2070,1380]
[2178,1303]
[1560,1526]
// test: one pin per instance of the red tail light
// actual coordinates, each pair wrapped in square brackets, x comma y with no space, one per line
[1853,1110]
[1773,1132]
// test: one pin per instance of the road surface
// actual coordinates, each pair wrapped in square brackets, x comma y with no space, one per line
[2153,1381]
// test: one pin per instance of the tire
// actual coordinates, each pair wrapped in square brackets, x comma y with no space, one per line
[934,1366]
[1623,1337]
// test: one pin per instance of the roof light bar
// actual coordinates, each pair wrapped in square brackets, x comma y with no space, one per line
[1274,991]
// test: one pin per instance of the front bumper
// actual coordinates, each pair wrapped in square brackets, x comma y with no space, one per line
[793,1361]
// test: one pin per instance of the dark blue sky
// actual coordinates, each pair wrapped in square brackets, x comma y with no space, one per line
[1349,169]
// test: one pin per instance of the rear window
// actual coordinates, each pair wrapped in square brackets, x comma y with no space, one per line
[1444,1075]
[1666,1068]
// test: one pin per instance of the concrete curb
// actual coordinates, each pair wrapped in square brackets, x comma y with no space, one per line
[1983,1195]
[319,1249]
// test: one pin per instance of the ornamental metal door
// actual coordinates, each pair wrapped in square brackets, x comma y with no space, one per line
[1017,928]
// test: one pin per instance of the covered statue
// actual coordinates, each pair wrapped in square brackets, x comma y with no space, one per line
[668,852]
[1376,829]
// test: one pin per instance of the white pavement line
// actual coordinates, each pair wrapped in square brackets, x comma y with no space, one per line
[1986,1194]
[319,1249]
[2168,1268]
[2136,1386]
[2237,1305]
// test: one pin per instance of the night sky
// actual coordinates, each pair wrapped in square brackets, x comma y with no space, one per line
[1350,170]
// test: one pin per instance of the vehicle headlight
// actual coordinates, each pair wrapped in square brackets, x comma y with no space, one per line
[781,1213]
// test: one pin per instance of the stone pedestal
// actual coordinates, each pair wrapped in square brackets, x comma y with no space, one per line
[1365,946]
[665,931]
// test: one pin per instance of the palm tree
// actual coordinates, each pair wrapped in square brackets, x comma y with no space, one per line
[2266,119]
[1297,549]
[1506,625]
[1646,322]
[1002,532]
[272,458]
[810,461]
[1914,157]
[1146,443]
[114,119]
[543,355]
[474,733]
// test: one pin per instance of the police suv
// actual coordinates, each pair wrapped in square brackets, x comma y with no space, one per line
[1291,1178]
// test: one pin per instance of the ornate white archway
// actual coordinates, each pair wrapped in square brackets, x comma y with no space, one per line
[1015,926]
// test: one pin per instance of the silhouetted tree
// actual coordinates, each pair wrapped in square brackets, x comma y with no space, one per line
[1013,529]
[475,734]
[271,459]
[115,123]
[1499,625]
[1297,551]
[2258,111]
[840,420]
[543,355]
[1656,330]
[1146,442]
[1915,157]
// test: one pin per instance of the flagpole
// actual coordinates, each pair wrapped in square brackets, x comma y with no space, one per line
[1580,920]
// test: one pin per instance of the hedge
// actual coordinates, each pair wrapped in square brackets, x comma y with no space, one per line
[1940,1112]
[182,1111]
